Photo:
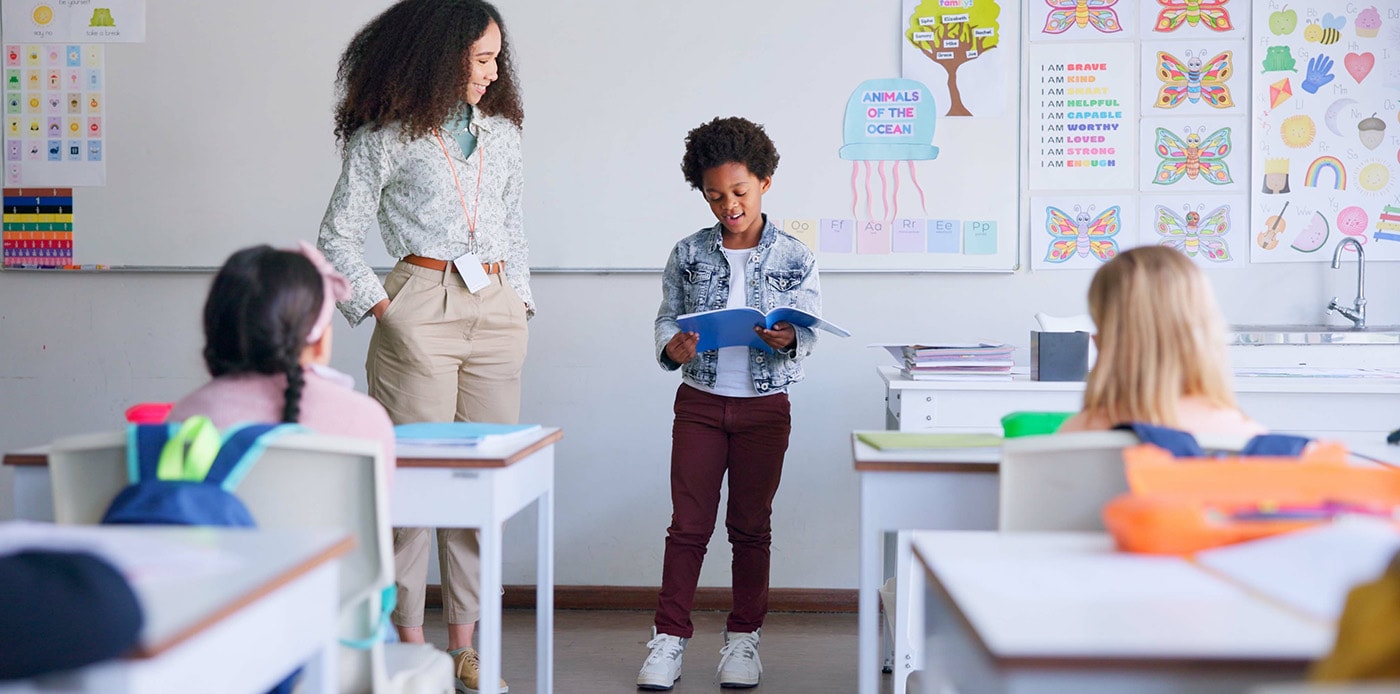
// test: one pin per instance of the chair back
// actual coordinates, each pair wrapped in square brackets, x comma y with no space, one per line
[1060,482]
[302,480]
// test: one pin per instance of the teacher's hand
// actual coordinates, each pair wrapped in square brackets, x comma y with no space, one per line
[681,348]
[378,309]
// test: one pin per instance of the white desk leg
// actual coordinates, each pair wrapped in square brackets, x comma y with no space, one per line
[490,628]
[909,622]
[871,549]
[544,595]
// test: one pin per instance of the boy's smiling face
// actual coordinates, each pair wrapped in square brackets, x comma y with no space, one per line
[736,197]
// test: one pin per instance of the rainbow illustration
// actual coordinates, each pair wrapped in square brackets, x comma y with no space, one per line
[1320,164]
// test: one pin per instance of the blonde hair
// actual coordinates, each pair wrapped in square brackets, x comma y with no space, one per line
[1160,338]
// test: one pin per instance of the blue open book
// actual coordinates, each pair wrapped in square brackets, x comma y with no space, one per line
[462,433]
[733,327]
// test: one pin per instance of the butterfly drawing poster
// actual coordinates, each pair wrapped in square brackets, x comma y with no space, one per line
[1194,19]
[1081,20]
[1081,232]
[1178,155]
[1194,78]
[1211,229]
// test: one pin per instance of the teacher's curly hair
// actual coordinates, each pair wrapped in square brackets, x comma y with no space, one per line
[409,65]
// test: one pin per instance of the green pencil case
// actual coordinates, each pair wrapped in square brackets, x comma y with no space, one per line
[1032,423]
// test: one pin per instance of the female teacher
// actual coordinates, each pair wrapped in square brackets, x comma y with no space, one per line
[429,121]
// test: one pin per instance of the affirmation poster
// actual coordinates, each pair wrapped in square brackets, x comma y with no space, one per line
[1083,109]
[55,97]
[74,21]
[1326,135]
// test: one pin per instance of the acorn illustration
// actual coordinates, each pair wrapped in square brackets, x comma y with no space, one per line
[1371,131]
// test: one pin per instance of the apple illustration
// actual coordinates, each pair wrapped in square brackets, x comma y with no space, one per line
[1283,22]
[1371,131]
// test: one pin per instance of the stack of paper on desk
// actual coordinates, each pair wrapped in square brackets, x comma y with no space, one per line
[463,433]
[982,361]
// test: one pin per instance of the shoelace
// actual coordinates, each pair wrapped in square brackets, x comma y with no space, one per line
[671,651]
[744,646]
[468,657]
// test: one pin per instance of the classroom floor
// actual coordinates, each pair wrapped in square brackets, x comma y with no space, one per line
[600,651]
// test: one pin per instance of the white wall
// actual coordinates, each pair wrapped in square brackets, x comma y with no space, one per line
[77,348]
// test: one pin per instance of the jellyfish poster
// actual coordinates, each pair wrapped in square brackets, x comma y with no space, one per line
[1210,229]
[1081,232]
[1326,135]
[955,48]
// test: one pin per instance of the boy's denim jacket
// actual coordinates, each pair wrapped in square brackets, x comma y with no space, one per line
[781,271]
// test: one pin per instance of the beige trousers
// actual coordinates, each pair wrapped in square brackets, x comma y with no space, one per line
[439,354]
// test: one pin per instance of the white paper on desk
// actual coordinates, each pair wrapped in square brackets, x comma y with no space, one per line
[1310,570]
[141,558]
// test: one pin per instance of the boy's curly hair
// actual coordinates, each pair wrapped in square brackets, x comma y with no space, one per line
[408,65]
[725,140]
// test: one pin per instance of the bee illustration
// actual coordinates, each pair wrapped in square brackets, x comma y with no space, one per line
[1193,233]
[1328,32]
[1193,157]
[1081,13]
[1194,79]
[1083,233]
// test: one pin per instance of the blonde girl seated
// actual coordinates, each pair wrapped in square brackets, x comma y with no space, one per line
[1161,345]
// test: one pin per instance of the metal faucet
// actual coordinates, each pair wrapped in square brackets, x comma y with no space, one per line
[1357,313]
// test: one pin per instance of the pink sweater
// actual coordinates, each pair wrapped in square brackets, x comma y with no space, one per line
[327,407]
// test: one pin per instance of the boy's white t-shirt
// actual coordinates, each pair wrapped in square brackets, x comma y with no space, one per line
[732,377]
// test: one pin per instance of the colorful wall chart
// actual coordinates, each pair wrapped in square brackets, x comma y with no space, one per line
[951,48]
[38,227]
[74,21]
[1195,78]
[1080,20]
[55,130]
[1195,19]
[1326,135]
[1083,112]
[1193,154]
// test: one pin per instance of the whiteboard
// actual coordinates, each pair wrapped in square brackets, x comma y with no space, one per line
[219,127]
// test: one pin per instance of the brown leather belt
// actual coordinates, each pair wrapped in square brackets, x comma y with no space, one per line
[495,268]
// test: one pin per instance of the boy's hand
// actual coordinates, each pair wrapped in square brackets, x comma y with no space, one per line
[780,337]
[681,348]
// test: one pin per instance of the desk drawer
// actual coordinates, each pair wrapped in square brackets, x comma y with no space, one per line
[973,410]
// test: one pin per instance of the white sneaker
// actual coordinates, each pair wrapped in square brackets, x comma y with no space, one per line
[739,665]
[663,667]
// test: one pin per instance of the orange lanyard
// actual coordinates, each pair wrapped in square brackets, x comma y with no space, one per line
[480,169]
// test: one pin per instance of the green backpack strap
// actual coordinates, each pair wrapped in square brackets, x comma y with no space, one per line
[190,452]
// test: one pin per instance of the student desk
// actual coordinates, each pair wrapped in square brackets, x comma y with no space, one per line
[266,607]
[902,490]
[1325,406]
[1064,612]
[482,487]
[438,487]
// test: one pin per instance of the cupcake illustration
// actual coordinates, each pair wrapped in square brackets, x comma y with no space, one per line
[1368,23]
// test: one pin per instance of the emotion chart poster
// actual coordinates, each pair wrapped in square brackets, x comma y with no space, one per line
[74,21]
[1326,135]
[1081,232]
[55,115]
[1211,229]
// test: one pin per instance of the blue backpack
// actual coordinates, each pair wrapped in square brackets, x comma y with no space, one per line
[1183,445]
[185,474]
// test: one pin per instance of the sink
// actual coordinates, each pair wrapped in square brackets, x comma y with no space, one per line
[1314,335]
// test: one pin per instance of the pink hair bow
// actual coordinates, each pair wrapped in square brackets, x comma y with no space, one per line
[334,285]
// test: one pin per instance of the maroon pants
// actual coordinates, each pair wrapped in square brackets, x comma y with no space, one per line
[714,435]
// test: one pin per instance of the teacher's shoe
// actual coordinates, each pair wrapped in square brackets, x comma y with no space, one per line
[739,666]
[469,672]
[663,665]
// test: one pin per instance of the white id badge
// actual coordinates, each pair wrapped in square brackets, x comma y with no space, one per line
[469,267]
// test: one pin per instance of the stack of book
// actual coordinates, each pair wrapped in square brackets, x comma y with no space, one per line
[976,362]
